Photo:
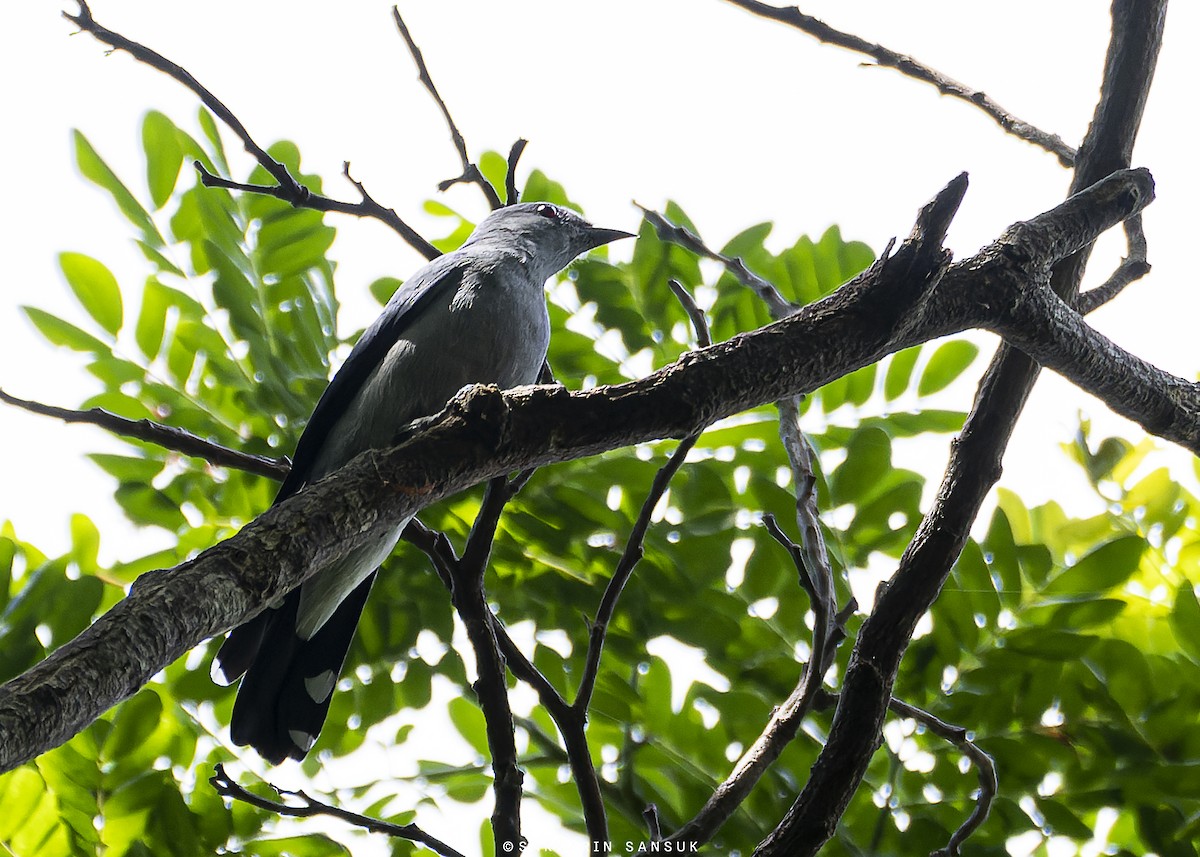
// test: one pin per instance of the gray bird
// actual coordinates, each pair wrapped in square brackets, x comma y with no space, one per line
[474,316]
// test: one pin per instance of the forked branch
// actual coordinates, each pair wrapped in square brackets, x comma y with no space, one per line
[309,806]
[286,187]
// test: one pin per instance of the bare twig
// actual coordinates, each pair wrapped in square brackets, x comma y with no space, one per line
[1132,268]
[668,231]
[309,806]
[511,194]
[287,188]
[906,65]
[653,825]
[457,573]
[169,437]
[786,719]
[695,314]
[960,738]
[470,600]
[470,173]
[625,566]
[633,546]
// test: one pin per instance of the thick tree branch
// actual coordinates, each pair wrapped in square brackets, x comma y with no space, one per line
[906,65]
[169,437]
[470,173]
[287,188]
[483,433]
[225,786]
[974,464]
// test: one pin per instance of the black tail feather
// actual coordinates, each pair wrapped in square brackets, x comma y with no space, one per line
[284,698]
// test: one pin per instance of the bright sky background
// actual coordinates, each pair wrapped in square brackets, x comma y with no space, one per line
[737,118]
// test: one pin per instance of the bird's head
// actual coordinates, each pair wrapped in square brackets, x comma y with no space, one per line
[548,235]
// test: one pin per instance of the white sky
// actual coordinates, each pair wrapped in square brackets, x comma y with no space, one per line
[737,118]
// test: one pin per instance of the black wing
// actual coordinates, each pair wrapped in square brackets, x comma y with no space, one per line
[408,302]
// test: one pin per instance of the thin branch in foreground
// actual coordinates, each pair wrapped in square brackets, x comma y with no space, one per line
[511,194]
[470,173]
[1132,268]
[785,720]
[960,738]
[695,314]
[168,437]
[653,825]
[468,595]
[227,787]
[288,188]
[908,66]
[453,571]
[668,231]
[633,546]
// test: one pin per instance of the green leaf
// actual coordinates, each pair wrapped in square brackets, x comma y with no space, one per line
[1107,566]
[947,362]
[136,719]
[96,288]
[152,319]
[468,720]
[899,372]
[1185,620]
[85,543]
[383,289]
[64,333]
[1062,821]
[868,459]
[94,168]
[164,156]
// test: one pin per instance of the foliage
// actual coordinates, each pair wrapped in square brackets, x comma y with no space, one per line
[1069,647]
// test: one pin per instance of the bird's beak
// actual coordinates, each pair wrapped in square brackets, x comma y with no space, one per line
[598,237]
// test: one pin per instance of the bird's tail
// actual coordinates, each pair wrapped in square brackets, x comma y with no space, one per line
[284,698]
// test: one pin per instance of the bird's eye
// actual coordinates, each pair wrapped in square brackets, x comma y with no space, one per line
[547,210]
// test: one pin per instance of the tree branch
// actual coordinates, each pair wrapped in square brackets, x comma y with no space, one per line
[470,173]
[1132,268]
[960,738]
[906,65]
[287,188]
[511,194]
[483,433]
[974,464]
[169,437]
[668,231]
[227,787]
[571,724]
[811,561]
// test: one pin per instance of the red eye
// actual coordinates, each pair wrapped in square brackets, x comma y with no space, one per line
[546,210]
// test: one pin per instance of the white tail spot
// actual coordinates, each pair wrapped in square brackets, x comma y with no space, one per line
[320,686]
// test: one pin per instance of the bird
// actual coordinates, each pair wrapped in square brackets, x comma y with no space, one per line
[476,315]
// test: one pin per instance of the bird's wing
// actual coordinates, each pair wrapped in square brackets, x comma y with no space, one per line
[406,305]
[245,642]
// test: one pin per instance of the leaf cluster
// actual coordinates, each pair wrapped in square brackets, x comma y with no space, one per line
[1069,647]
